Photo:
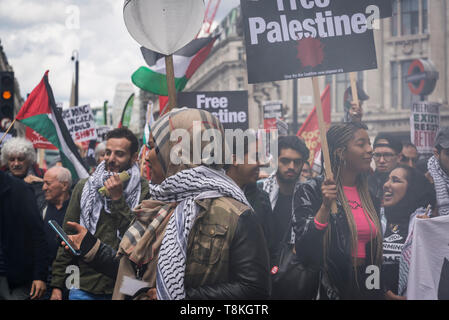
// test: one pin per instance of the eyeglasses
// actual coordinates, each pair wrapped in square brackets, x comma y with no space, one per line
[387,156]
[287,161]
[20,159]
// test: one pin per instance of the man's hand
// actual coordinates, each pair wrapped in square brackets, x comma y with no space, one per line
[30,179]
[77,238]
[38,288]
[114,186]
[56,294]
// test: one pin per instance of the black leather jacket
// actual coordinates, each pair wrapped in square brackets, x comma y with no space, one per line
[307,200]
[249,264]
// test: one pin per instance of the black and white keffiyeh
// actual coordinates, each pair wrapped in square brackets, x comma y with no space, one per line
[92,202]
[441,181]
[185,187]
[270,186]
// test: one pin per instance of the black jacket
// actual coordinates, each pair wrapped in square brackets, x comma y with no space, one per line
[260,201]
[245,276]
[307,200]
[22,233]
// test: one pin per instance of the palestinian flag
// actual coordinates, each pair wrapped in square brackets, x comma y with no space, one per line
[185,61]
[127,112]
[39,112]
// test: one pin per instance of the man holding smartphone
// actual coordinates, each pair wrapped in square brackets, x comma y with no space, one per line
[106,217]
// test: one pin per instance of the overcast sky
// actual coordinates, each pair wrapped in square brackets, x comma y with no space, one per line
[41,35]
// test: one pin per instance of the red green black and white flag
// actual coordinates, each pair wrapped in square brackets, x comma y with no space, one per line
[39,112]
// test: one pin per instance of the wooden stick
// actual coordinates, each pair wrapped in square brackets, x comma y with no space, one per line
[170,82]
[142,160]
[7,130]
[355,95]
[323,138]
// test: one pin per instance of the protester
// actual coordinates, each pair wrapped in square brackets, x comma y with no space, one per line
[407,193]
[345,243]
[100,151]
[23,249]
[409,155]
[222,252]
[245,173]
[386,157]
[106,217]
[19,160]
[306,172]
[354,111]
[438,166]
[280,185]
[57,187]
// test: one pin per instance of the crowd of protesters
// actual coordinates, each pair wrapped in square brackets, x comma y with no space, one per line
[212,230]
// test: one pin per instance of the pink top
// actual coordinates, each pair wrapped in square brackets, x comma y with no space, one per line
[364,232]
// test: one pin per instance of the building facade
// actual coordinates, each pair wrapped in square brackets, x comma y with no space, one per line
[419,29]
[18,100]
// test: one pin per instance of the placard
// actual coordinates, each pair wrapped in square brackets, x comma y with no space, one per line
[424,124]
[230,107]
[306,38]
[80,122]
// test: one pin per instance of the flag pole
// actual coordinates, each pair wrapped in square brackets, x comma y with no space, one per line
[355,96]
[323,138]
[7,130]
[170,71]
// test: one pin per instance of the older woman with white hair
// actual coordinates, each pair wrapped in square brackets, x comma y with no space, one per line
[19,160]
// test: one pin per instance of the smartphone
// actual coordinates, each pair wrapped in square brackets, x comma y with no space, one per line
[57,228]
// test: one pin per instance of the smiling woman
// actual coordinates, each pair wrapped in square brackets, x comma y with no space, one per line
[406,193]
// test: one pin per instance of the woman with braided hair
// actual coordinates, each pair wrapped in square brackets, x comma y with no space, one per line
[347,245]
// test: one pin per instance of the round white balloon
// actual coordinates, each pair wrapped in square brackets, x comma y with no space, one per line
[164,26]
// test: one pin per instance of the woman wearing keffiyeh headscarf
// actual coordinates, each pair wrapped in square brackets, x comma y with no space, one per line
[197,238]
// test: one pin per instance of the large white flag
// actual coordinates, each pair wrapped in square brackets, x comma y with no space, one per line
[429,267]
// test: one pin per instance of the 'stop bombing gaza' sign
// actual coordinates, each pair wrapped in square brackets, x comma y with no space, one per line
[288,39]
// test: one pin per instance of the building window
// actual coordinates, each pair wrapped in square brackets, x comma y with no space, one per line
[400,93]
[408,16]
[342,82]
[241,53]
[240,84]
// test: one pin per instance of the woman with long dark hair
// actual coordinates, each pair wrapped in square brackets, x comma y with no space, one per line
[407,193]
[347,246]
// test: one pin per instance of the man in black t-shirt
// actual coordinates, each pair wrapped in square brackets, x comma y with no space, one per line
[292,153]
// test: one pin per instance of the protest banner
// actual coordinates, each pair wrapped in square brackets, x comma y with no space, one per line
[230,107]
[424,125]
[429,266]
[297,39]
[272,110]
[39,142]
[102,131]
[81,123]
[309,130]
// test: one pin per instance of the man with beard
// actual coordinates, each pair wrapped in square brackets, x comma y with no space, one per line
[245,173]
[105,215]
[292,153]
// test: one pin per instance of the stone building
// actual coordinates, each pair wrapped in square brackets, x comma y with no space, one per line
[18,100]
[419,29]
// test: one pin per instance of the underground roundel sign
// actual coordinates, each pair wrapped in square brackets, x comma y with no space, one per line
[421,77]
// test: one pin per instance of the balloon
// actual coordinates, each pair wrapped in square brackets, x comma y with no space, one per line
[163,26]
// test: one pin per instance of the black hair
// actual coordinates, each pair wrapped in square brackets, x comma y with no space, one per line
[420,192]
[295,143]
[124,132]
[393,143]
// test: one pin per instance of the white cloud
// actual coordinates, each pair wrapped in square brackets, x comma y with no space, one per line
[36,37]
